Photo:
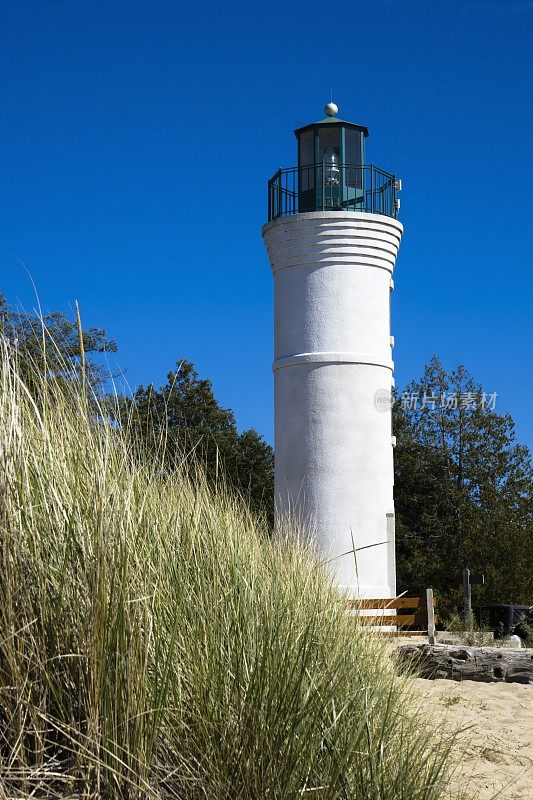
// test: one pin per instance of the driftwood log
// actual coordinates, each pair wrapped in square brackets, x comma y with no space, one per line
[459,663]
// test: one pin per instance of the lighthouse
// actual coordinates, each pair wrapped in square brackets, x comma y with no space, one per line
[332,239]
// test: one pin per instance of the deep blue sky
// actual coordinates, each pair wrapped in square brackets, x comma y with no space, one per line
[138,137]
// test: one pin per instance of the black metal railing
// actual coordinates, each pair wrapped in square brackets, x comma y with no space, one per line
[332,187]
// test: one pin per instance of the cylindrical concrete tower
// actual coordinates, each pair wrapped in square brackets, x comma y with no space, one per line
[332,240]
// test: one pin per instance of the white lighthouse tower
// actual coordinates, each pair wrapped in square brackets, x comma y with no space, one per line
[332,240]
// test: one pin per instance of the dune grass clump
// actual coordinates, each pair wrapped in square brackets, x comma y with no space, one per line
[154,643]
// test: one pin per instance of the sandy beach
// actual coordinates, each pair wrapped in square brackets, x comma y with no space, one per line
[497,719]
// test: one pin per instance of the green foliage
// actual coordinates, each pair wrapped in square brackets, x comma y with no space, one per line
[525,630]
[184,417]
[464,494]
[53,340]
[450,700]
[468,631]
[153,644]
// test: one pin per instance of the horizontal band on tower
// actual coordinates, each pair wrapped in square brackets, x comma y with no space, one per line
[323,239]
[332,358]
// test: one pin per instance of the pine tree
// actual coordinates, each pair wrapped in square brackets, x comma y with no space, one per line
[464,490]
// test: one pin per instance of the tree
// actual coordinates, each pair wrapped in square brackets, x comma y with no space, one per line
[53,341]
[464,490]
[183,419]
[252,472]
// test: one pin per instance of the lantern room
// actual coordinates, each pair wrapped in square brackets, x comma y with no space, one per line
[331,154]
[332,174]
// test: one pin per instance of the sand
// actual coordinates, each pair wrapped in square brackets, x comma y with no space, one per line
[498,742]
[499,739]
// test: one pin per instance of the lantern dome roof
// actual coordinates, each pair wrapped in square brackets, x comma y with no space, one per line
[331,109]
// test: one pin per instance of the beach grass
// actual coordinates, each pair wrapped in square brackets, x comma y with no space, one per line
[156,643]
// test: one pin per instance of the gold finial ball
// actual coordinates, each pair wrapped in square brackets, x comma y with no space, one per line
[331,109]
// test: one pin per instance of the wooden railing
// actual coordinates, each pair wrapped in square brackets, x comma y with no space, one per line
[418,617]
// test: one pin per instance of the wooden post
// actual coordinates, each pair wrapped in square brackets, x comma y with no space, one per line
[467,598]
[431,616]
